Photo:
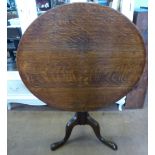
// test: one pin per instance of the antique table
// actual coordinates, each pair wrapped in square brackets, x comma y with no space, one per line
[81,57]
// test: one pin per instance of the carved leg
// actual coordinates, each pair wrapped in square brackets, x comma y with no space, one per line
[82,118]
[69,127]
[94,124]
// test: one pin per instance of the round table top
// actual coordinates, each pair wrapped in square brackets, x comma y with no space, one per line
[81,57]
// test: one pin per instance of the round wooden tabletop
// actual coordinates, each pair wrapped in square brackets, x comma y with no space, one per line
[81,57]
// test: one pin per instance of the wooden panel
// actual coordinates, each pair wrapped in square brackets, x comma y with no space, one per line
[81,57]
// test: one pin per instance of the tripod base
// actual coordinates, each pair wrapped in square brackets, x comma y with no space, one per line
[83,118]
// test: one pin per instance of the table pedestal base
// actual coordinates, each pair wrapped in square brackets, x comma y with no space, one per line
[83,118]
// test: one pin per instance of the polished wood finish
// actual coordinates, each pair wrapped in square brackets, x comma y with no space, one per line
[83,118]
[81,57]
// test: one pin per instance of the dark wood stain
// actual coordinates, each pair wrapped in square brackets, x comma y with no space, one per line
[81,57]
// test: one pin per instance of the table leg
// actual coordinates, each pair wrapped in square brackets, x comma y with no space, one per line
[69,127]
[83,118]
[94,124]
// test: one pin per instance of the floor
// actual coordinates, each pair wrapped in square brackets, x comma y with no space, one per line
[31,133]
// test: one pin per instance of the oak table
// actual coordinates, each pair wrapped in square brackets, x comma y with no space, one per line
[81,57]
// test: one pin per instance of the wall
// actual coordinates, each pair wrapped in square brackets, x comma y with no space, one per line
[139,3]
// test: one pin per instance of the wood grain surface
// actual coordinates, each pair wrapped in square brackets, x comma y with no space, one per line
[81,57]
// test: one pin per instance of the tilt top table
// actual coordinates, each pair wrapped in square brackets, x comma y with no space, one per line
[81,57]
